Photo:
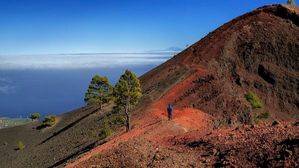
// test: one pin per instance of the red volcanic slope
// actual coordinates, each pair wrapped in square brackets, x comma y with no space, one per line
[257,52]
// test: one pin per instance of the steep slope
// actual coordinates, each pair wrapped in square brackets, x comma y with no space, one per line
[258,53]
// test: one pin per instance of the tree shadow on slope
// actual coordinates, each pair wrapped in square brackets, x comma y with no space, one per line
[69,126]
[79,152]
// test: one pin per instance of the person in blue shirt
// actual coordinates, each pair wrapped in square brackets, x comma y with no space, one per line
[170,111]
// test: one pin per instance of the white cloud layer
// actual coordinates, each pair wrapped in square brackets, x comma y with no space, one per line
[75,61]
[6,89]
[6,86]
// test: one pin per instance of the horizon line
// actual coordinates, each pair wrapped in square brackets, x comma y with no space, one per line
[90,53]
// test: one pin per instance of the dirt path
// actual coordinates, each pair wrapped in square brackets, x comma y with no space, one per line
[155,126]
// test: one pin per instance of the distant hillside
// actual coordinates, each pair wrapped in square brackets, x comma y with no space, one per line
[9,122]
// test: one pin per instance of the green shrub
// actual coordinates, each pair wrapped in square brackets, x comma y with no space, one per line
[217,123]
[35,116]
[117,119]
[49,121]
[21,145]
[105,130]
[264,115]
[254,100]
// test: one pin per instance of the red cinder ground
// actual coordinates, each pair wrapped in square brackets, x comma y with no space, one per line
[207,83]
[191,134]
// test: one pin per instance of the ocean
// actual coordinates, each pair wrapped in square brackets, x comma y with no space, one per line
[54,84]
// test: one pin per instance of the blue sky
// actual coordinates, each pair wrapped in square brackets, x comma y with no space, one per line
[86,26]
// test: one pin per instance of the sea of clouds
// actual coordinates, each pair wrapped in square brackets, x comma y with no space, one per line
[75,61]
[6,86]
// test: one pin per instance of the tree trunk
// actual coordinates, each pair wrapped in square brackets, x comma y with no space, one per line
[128,124]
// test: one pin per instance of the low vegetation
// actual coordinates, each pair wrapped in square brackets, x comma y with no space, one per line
[35,116]
[117,119]
[254,100]
[109,122]
[217,123]
[264,115]
[105,128]
[48,121]
[20,145]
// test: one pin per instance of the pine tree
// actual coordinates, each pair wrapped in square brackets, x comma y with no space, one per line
[99,91]
[291,2]
[127,93]
[35,116]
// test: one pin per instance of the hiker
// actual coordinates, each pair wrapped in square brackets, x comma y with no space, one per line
[169,111]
